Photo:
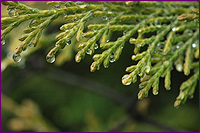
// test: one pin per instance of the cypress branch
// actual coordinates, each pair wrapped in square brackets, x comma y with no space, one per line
[164,36]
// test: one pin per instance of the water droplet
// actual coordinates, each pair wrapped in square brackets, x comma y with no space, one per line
[194,45]
[191,96]
[96,46]
[104,8]
[75,18]
[178,45]
[11,12]
[140,74]
[179,67]
[127,3]
[126,79]
[155,92]
[105,18]
[156,22]
[140,87]
[68,42]
[148,68]
[159,26]
[112,59]
[79,3]
[82,6]
[30,45]
[57,6]
[3,42]
[88,51]
[162,53]
[109,12]
[174,29]
[32,23]
[90,15]
[188,32]
[124,32]
[139,30]
[51,58]
[17,57]
[133,39]
[107,41]
[54,11]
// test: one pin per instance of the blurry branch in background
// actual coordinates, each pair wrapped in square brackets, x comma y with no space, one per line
[89,85]
[136,109]
[28,116]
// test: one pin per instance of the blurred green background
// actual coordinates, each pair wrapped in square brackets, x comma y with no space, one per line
[38,96]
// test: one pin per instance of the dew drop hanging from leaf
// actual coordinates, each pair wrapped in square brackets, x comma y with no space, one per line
[126,79]
[11,12]
[88,51]
[17,57]
[3,42]
[179,67]
[79,3]
[51,58]
[105,18]
[68,42]
[96,46]
[112,58]
[194,45]
[30,45]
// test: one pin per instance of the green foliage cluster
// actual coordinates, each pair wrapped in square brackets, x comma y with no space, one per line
[160,40]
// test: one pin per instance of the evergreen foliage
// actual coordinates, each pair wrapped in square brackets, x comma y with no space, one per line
[164,35]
